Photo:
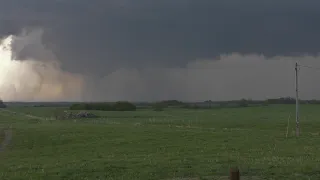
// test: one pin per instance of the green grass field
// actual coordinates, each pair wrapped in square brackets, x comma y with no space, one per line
[170,144]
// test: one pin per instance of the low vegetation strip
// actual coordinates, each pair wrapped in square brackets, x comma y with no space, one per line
[23,114]
[2,135]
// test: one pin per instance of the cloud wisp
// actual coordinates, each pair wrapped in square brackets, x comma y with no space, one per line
[30,79]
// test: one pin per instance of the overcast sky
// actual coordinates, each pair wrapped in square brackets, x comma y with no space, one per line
[117,42]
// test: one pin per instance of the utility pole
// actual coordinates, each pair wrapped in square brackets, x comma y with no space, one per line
[297,100]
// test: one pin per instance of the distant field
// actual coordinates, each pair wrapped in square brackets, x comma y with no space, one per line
[174,143]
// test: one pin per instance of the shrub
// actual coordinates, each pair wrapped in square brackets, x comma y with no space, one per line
[243,103]
[118,106]
[2,105]
[265,103]
[193,106]
[172,103]
[159,106]
[124,106]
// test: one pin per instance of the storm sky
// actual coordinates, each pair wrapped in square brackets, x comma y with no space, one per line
[151,49]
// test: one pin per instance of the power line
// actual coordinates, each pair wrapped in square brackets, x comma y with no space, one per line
[310,67]
[213,68]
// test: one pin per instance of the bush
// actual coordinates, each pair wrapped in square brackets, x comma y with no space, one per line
[159,106]
[243,103]
[92,106]
[118,106]
[172,103]
[265,103]
[124,106]
[193,106]
[2,105]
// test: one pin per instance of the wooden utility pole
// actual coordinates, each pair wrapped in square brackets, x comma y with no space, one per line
[234,174]
[297,100]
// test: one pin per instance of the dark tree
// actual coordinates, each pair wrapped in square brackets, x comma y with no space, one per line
[159,106]
[2,105]
[243,103]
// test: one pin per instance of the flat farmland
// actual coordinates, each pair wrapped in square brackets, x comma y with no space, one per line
[169,144]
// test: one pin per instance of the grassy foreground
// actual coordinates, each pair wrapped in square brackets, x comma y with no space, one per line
[174,143]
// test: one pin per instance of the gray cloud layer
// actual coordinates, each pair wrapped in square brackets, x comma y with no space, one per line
[99,37]
[230,77]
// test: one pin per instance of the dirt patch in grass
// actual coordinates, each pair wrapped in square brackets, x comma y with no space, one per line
[5,138]
[2,135]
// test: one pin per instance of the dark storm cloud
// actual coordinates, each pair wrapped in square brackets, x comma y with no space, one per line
[151,50]
[99,35]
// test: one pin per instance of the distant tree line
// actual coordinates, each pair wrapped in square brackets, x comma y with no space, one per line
[290,100]
[118,106]
[246,103]
[162,105]
[169,103]
[283,100]
[310,102]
